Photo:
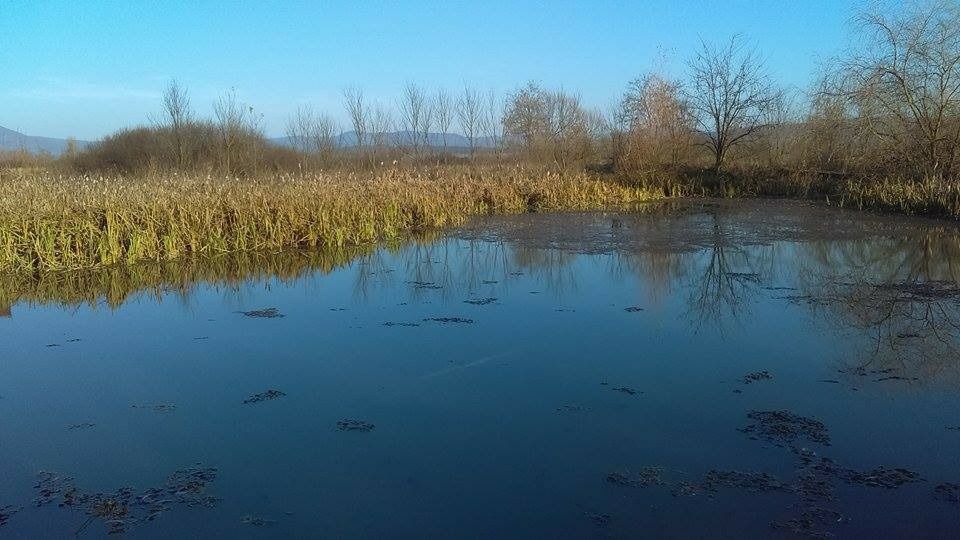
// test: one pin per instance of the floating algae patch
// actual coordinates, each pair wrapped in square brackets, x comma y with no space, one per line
[84,425]
[785,428]
[813,485]
[683,488]
[762,375]
[425,285]
[401,324]
[6,512]
[754,482]
[883,477]
[266,313]
[157,407]
[449,320]
[647,476]
[124,508]
[947,492]
[257,521]
[598,518]
[264,396]
[481,301]
[811,522]
[897,378]
[633,309]
[625,390]
[349,424]
[568,408]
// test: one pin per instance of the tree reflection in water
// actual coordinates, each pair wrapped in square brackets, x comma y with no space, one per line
[892,279]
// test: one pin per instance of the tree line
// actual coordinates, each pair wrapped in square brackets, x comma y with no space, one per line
[888,105]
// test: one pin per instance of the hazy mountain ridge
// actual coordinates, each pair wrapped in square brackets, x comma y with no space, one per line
[14,140]
[11,140]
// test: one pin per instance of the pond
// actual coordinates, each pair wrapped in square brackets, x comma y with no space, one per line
[692,369]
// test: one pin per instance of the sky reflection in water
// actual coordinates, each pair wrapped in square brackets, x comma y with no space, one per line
[550,375]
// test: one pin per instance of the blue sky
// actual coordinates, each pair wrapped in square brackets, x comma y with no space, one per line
[86,68]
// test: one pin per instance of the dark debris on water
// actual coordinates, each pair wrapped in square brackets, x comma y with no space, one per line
[257,521]
[349,424]
[123,508]
[264,396]
[785,428]
[762,375]
[814,484]
[647,476]
[568,408]
[157,407]
[266,313]
[425,285]
[481,301]
[812,521]
[598,518]
[754,482]
[401,324]
[6,512]
[449,320]
[947,492]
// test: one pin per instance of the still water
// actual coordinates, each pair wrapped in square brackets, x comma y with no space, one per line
[701,369]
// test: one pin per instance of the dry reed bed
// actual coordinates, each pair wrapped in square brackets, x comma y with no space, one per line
[50,222]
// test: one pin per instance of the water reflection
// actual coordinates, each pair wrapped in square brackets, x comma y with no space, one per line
[901,291]
[574,370]
[894,280]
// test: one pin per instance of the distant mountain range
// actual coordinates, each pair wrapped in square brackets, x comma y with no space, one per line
[14,140]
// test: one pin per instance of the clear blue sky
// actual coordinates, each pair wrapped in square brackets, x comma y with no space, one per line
[86,68]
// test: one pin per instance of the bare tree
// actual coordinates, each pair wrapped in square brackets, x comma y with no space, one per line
[905,83]
[443,107]
[658,125]
[548,125]
[416,118]
[493,125]
[358,113]
[176,103]
[527,117]
[326,130]
[470,116]
[426,124]
[312,132]
[567,127]
[729,95]
[300,128]
[231,119]
[381,123]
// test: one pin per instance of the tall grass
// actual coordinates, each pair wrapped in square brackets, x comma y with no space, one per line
[928,196]
[50,222]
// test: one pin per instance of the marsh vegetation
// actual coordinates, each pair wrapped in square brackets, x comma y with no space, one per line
[880,129]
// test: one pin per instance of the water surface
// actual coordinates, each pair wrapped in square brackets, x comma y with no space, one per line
[697,369]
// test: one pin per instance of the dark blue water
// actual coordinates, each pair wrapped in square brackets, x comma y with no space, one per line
[598,376]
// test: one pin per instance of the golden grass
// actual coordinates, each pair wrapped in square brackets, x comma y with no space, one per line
[51,223]
[929,197]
